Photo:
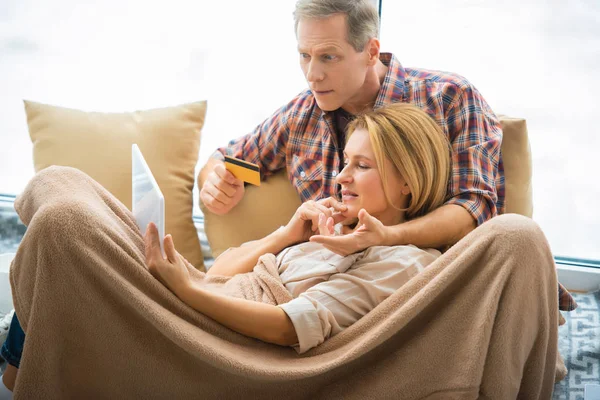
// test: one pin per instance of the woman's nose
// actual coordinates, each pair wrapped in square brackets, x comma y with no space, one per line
[343,176]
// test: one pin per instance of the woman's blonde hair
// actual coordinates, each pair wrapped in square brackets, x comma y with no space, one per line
[362,19]
[413,142]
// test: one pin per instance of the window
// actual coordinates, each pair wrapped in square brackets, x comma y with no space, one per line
[534,60]
[116,56]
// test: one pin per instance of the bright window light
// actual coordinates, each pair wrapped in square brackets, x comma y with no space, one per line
[536,60]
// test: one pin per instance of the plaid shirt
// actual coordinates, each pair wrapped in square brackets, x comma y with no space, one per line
[301,138]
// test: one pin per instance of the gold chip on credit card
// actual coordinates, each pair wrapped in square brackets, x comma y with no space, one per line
[243,170]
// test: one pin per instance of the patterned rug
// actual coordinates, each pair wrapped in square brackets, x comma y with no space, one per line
[579,344]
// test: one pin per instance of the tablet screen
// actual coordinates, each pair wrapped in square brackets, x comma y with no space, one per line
[148,202]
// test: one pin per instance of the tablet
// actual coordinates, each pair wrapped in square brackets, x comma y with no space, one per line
[147,201]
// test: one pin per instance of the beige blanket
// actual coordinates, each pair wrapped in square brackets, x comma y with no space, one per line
[481,322]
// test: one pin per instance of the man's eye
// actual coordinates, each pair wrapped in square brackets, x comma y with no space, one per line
[304,56]
[328,57]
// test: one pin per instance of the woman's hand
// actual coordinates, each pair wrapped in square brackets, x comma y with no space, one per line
[370,232]
[305,221]
[326,225]
[171,271]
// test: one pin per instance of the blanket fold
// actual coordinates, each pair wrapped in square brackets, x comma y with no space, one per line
[480,322]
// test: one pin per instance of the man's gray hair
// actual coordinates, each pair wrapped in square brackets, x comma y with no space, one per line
[362,18]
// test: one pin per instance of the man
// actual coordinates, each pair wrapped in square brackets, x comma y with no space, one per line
[346,74]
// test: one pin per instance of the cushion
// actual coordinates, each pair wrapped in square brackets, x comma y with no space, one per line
[264,208]
[516,156]
[99,144]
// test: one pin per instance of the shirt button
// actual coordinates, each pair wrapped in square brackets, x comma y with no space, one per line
[303,174]
[334,174]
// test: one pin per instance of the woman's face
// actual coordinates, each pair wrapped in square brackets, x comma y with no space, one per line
[362,186]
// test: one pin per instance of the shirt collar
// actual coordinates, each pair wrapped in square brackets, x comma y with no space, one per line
[392,88]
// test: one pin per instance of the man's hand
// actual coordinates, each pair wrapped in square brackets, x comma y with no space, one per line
[171,271]
[370,232]
[313,216]
[221,190]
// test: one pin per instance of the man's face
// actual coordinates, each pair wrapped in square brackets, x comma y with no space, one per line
[334,70]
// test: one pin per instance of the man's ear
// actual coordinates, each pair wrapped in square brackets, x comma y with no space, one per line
[372,48]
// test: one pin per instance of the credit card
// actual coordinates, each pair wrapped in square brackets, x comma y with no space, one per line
[243,170]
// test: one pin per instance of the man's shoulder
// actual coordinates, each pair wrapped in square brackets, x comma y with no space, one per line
[437,77]
[293,114]
[302,102]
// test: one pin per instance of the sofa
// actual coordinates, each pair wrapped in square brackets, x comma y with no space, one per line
[265,208]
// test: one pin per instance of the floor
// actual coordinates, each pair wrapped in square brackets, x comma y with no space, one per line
[579,344]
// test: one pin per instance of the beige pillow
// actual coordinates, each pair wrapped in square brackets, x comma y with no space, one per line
[516,156]
[99,144]
[264,208]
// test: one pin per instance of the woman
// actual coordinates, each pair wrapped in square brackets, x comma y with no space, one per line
[396,168]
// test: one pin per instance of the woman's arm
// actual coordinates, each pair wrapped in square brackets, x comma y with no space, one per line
[258,320]
[439,229]
[242,259]
[329,307]
[302,225]
[261,321]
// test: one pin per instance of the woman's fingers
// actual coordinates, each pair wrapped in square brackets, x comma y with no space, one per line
[338,217]
[183,260]
[322,224]
[325,225]
[338,244]
[330,224]
[170,251]
[321,210]
[152,243]
[310,212]
[329,207]
[331,202]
